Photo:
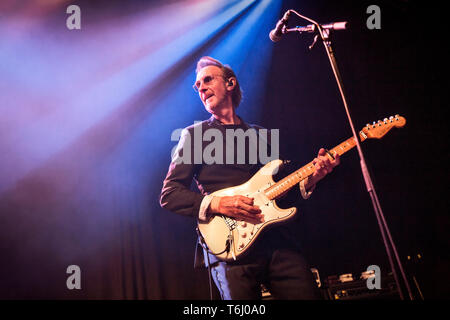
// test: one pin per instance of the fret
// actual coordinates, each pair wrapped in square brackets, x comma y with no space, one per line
[296,177]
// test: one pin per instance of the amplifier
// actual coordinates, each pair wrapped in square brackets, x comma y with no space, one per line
[335,289]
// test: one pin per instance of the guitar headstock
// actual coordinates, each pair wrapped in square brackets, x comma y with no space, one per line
[377,130]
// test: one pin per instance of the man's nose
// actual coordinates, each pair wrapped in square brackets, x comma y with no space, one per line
[202,87]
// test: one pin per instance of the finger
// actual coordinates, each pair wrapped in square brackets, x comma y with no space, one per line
[319,173]
[326,161]
[255,219]
[321,169]
[244,215]
[320,164]
[246,200]
[337,159]
[250,209]
[321,152]
[317,167]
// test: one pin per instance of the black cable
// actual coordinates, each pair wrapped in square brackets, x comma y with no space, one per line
[203,244]
[209,275]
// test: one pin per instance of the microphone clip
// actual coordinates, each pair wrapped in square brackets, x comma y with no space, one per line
[326,35]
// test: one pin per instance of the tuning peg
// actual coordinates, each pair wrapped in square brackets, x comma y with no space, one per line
[385,120]
[374,124]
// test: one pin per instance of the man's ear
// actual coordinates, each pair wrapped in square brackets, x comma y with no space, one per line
[231,83]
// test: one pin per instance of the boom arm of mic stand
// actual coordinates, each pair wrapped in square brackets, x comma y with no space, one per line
[370,189]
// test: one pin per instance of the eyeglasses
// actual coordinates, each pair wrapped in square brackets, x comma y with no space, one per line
[206,80]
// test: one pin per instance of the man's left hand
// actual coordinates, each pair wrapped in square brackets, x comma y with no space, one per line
[323,165]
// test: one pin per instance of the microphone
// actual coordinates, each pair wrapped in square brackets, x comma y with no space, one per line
[277,32]
[312,27]
[335,25]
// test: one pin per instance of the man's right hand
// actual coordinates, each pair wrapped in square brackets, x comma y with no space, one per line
[237,207]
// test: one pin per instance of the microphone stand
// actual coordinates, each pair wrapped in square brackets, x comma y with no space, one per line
[325,36]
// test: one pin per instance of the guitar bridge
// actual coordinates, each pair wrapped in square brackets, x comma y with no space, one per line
[231,223]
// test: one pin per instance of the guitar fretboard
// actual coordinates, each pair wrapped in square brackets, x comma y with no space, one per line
[294,178]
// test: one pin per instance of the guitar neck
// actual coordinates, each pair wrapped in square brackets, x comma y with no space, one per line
[294,178]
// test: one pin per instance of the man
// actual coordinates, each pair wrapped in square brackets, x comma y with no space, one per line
[274,260]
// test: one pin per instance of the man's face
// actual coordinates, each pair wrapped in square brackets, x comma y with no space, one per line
[212,89]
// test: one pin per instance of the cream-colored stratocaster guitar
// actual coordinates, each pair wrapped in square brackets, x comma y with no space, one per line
[229,239]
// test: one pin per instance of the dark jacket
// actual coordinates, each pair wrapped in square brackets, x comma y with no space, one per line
[177,194]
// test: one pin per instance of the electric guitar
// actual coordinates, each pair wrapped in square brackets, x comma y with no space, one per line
[228,238]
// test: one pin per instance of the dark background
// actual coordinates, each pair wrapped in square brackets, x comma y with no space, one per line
[395,70]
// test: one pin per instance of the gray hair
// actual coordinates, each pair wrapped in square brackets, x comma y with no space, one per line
[227,74]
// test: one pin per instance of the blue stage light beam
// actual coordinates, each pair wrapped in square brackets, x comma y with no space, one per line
[63,103]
